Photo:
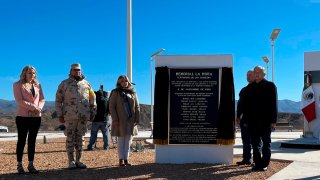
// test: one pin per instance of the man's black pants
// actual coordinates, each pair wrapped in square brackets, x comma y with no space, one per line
[259,135]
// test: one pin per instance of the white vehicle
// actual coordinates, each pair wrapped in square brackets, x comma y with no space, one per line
[4,129]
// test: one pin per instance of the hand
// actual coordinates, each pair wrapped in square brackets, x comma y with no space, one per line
[238,120]
[273,125]
[38,110]
[61,119]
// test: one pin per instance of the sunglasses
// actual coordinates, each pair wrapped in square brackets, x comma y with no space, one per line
[76,69]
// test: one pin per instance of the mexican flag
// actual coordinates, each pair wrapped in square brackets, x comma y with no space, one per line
[308,104]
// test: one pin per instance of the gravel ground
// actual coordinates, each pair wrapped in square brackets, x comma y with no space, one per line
[51,160]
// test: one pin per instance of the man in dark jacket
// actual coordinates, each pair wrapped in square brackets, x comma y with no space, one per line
[100,121]
[261,110]
[245,136]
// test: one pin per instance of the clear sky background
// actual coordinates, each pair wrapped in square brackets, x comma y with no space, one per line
[52,34]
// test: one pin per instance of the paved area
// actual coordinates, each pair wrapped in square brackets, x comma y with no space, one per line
[14,136]
[306,162]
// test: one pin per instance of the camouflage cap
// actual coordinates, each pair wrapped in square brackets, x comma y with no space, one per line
[75,66]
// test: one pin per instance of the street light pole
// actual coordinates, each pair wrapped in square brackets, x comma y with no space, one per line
[272,52]
[273,37]
[265,59]
[129,40]
[151,86]
[151,95]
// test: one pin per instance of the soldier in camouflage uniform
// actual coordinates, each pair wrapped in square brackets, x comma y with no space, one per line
[75,105]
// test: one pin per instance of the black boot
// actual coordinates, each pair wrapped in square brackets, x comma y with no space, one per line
[121,163]
[126,163]
[244,162]
[20,168]
[32,169]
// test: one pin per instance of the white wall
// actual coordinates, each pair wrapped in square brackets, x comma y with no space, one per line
[312,63]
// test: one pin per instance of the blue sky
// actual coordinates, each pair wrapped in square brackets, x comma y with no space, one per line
[52,34]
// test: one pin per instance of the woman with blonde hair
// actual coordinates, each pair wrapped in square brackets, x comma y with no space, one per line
[125,113]
[30,101]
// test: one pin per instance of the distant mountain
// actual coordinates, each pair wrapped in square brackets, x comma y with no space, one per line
[283,106]
[289,106]
[50,122]
[286,106]
[8,107]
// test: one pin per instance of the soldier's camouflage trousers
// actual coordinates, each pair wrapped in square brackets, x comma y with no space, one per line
[75,131]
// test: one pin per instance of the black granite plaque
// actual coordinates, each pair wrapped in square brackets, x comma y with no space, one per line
[194,95]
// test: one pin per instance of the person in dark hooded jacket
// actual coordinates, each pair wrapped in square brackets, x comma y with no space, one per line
[100,121]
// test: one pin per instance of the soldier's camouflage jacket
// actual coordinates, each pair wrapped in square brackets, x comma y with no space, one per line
[75,99]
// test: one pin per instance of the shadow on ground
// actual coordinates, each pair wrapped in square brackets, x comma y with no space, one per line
[144,171]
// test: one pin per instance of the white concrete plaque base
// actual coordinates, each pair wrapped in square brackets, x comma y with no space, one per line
[181,154]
